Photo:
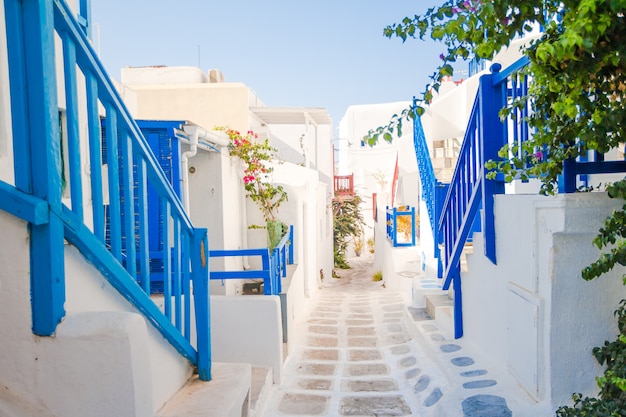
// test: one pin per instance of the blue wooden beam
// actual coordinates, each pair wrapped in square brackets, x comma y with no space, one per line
[24,206]
[36,138]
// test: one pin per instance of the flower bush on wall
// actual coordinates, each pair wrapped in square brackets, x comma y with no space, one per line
[255,155]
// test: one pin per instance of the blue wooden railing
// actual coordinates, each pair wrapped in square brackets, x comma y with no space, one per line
[433,190]
[273,266]
[470,190]
[393,228]
[53,157]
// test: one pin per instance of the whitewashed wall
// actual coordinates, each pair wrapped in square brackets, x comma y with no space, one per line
[248,330]
[532,312]
[101,331]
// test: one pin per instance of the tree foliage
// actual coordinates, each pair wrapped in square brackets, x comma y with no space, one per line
[347,223]
[577,95]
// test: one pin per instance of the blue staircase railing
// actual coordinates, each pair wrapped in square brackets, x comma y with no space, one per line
[433,190]
[53,156]
[470,190]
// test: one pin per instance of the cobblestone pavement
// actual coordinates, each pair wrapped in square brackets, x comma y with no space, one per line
[357,356]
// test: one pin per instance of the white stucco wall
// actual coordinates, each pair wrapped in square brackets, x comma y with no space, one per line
[88,291]
[206,104]
[248,330]
[100,330]
[532,312]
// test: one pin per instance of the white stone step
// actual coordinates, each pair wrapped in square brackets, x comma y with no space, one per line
[226,395]
[441,308]
[262,382]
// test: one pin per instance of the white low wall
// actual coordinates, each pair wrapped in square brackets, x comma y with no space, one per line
[532,312]
[248,329]
[45,371]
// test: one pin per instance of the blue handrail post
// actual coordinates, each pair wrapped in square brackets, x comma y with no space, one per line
[291,244]
[492,99]
[268,285]
[276,267]
[567,183]
[394,216]
[458,304]
[413,226]
[440,192]
[200,277]
[35,126]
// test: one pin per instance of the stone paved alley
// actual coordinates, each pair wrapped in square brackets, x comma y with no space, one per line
[360,354]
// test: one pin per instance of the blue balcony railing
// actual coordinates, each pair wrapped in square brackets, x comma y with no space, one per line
[273,265]
[401,229]
[61,165]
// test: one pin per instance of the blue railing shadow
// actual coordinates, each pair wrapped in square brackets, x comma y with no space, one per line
[273,265]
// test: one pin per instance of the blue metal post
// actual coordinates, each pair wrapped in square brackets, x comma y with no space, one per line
[268,286]
[200,276]
[291,244]
[458,305]
[414,232]
[95,154]
[36,142]
[73,137]
[492,100]
[568,177]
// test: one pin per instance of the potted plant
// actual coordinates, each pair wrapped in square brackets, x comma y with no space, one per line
[255,155]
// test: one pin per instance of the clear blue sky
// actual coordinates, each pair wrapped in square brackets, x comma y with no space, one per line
[320,53]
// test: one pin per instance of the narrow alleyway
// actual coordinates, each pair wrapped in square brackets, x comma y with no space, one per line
[356,355]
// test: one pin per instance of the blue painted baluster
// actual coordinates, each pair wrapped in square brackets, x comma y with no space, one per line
[268,287]
[35,126]
[176,265]
[494,137]
[73,136]
[186,288]
[291,244]
[458,305]
[200,274]
[276,271]
[84,16]
[167,256]
[413,226]
[128,203]
[143,250]
[115,226]
[95,155]
[283,261]
[19,86]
